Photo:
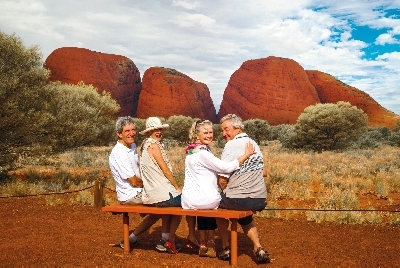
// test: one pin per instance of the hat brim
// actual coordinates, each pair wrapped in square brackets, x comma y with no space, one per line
[152,128]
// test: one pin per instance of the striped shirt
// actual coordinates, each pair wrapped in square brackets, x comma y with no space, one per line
[248,180]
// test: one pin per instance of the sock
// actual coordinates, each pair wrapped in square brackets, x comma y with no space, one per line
[165,236]
[132,238]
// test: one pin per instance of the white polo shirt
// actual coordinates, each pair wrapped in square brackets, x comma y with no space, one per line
[124,163]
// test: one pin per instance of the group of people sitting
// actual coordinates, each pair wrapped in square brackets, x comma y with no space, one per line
[233,182]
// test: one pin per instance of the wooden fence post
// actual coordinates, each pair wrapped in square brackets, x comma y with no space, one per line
[98,194]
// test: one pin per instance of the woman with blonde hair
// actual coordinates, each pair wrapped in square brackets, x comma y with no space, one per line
[200,190]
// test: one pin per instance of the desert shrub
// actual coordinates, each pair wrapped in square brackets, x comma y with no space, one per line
[374,137]
[20,188]
[394,138]
[37,114]
[219,141]
[179,126]
[257,129]
[80,115]
[22,96]
[282,133]
[140,125]
[329,127]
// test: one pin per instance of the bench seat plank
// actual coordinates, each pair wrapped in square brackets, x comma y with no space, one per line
[232,215]
[217,213]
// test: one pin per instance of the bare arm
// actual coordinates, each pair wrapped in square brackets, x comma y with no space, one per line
[155,152]
[222,182]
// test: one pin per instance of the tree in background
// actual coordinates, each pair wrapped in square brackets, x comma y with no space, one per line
[79,116]
[374,137]
[257,129]
[39,117]
[329,126]
[140,124]
[218,139]
[283,133]
[179,126]
[22,81]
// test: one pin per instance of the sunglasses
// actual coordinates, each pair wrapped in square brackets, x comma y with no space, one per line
[199,122]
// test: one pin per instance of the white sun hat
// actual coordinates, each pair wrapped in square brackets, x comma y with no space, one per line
[153,123]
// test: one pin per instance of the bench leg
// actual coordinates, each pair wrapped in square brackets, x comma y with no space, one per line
[234,242]
[125,222]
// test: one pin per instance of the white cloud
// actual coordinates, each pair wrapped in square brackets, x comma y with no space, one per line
[191,5]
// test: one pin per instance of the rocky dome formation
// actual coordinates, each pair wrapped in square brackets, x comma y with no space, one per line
[107,72]
[331,90]
[166,92]
[273,89]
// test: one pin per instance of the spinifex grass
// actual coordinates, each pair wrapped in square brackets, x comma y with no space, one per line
[349,180]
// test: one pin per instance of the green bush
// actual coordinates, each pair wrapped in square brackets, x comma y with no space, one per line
[374,137]
[329,127]
[218,139]
[38,114]
[257,129]
[140,124]
[79,115]
[394,138]
[22,81]
[179,126]
[282,133]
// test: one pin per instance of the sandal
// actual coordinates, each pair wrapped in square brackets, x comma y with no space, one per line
[211,249]
[262,257]
[170,247]
[203,250]
[225,254]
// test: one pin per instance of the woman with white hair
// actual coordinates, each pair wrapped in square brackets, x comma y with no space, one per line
[200,190]
[159,186]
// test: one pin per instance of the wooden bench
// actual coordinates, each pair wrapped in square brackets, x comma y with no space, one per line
[232,215]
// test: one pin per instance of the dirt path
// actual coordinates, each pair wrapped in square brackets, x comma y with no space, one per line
[33,233]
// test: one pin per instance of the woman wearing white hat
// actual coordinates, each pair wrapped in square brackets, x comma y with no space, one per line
[159,186]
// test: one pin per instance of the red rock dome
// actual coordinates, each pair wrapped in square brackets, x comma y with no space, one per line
[107,72]
[166,92]
[273,89]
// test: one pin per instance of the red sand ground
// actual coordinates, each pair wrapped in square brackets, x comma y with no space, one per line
[37,234]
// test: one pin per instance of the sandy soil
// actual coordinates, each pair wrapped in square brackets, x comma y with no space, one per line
[37,234]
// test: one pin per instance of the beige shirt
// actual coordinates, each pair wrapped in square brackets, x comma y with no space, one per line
[156,187]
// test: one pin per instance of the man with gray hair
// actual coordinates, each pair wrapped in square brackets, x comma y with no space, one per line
[124,166]
[244,189]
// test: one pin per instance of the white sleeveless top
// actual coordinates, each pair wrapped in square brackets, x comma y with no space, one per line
[156,187]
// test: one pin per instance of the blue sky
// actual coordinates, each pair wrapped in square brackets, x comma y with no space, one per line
[358,42]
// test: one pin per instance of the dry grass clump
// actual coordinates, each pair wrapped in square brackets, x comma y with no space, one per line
[297,181]
[333,181]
